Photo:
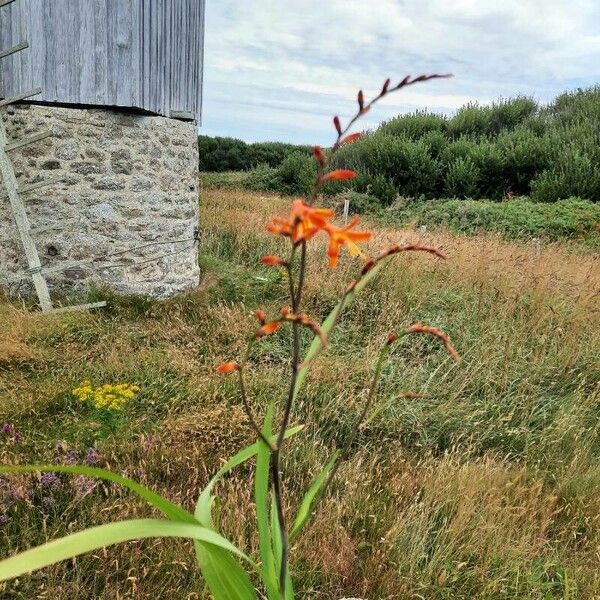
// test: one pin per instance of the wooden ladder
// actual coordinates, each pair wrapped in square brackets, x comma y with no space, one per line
[15,192]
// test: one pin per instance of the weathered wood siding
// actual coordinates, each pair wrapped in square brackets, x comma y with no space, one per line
[143,54]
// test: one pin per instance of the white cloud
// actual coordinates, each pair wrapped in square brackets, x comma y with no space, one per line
[302,60]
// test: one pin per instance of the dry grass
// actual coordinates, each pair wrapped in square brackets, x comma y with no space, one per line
[485,486]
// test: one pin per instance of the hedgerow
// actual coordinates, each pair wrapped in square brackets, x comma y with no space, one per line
[513,147]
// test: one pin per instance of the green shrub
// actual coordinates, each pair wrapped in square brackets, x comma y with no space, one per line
[462,178]
[414,126]
[575,174]
[359,203]
[520,217]
[230,154]
[263,178]
[296,174]
[383,188]
[511,147]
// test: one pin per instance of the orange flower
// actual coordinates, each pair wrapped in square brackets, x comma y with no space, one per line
[338,236]
[273,261]
[339,174]
[261,316]
[228,367]
[280,226]
[268,329]
[319,156]
[304,221]
[350,138]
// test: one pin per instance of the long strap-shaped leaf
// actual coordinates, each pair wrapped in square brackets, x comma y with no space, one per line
[106,535]
[224,576]
[261,498]
[306,505]
[278,549]
[203,506]
[168,508]
[214,561]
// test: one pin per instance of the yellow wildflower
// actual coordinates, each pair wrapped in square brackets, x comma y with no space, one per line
[107,396]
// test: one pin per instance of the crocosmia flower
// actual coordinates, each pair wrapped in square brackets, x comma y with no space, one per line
[338,236]
[304,221]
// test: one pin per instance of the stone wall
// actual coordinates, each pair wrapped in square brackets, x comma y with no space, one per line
[123,212]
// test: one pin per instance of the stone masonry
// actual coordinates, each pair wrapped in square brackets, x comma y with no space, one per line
[123,211]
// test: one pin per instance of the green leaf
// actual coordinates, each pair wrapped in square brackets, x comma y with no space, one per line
[204,504]
[213,561]
[261,499]
[278,548]
[224,576]
[305,509]
[106,535]
[330,321]
[168,508]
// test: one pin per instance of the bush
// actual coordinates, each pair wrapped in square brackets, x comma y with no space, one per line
[414,126]
[462,178]
[520,217]
[263,178]
[230,154]
[296,174]
[512,147]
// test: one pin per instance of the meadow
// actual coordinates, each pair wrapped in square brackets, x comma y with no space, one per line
[474,480]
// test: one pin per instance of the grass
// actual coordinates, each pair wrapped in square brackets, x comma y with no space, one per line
[486,487]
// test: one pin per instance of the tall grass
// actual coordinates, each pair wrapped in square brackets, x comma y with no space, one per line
[477,482]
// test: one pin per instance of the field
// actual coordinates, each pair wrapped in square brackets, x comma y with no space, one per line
[475,480]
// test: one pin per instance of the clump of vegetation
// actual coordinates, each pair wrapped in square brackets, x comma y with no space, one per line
[221,154]
[511,148]
[518,217]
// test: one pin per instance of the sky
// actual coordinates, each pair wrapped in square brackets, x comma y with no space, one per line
[280,69]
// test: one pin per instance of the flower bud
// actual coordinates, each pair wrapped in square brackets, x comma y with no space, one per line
[273,261]
[228,367]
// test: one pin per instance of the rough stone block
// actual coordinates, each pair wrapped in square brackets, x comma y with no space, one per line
[113,197]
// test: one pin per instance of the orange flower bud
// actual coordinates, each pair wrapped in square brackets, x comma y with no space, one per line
[361,100]
[392,337]
[338,125]
[261,316]
[385,87]
[318,152]
[228,367]
[339,174]
[369,264]
[273,261]
[268,329]
[285,311]
[403,82]
[350,138]
[439,334]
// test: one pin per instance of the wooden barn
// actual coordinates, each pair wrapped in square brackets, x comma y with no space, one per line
[142,55]
[100,101]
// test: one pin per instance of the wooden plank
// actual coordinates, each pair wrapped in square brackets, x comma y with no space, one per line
[185,115]
[25,189]
[143,54]
[17,48]
[77,307]
[33,260]
[22,96]
[36,137]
